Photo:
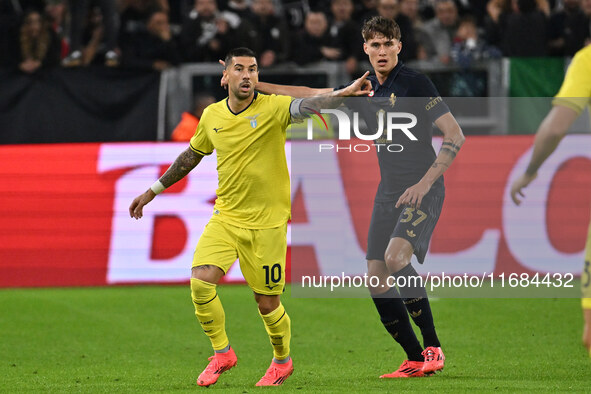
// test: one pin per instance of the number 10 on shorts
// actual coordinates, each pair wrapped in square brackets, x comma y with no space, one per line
[272,274]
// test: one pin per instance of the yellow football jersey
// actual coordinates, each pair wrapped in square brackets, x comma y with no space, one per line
[253,180]
[575,91]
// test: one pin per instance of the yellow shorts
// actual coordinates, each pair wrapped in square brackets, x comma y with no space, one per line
[261,253]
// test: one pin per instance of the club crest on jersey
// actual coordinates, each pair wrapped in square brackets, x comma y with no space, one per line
[392,99]
[253,120]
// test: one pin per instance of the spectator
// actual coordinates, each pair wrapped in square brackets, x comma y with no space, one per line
[410,8]
[313,44]
[544,6]
[39,46]
[241,7]
[478,9]
[190,119]
[525,31]
[270,33]
[442,29]
[346,34]
[364,10]
[152,48]
[133,15]
[568,29]
[468,47]
[496,20]
[208,34]
[390,9]
[294,12]
[79,10]
[57,11]
[11,15]
[92,39]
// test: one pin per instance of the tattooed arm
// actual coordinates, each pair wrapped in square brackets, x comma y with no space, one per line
[183,164]
[288,90]
[301,108]
[453,138]
[333,98]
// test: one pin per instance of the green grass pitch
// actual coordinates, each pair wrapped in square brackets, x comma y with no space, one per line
[146,338]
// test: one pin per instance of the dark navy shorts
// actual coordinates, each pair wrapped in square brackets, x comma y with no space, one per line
[414,225]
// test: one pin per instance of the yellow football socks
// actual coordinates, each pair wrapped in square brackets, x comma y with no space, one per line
[209,312]
[278,326]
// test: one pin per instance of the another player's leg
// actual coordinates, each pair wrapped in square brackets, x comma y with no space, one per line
[586,293]
[214,255]
[412,236]
[390,306]
[587,326]
[262,261]
[415,299]
[278,327]
[394,317]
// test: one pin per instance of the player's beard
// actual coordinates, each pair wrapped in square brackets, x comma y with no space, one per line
[240,94]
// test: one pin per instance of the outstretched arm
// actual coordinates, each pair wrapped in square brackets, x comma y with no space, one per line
[453,139]
[549,134]
[293,91]
[285,90]
[183,164]
[303,107]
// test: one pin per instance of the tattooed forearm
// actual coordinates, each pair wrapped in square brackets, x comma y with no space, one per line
[450,147]
[448,151]
[455,147]
[326,100]
[438,163]
[181,167]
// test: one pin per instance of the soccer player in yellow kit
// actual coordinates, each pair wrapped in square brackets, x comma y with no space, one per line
[571,100]
[249,222]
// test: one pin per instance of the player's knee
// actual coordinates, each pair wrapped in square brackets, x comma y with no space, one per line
[201,291]
[266,303]
[396,261]
[377,269]
[208,273]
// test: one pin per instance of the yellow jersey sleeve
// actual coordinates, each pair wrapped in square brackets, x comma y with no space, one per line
[200,142]
[282,114]
[575,91]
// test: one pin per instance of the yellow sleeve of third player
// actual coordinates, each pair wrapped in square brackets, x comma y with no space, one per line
[200,141]
[575,91]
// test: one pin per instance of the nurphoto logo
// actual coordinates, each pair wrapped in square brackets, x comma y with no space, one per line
[388,123]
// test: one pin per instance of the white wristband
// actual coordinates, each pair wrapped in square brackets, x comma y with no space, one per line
[157,187]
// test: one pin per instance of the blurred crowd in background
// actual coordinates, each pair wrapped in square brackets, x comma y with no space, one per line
[158,34]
